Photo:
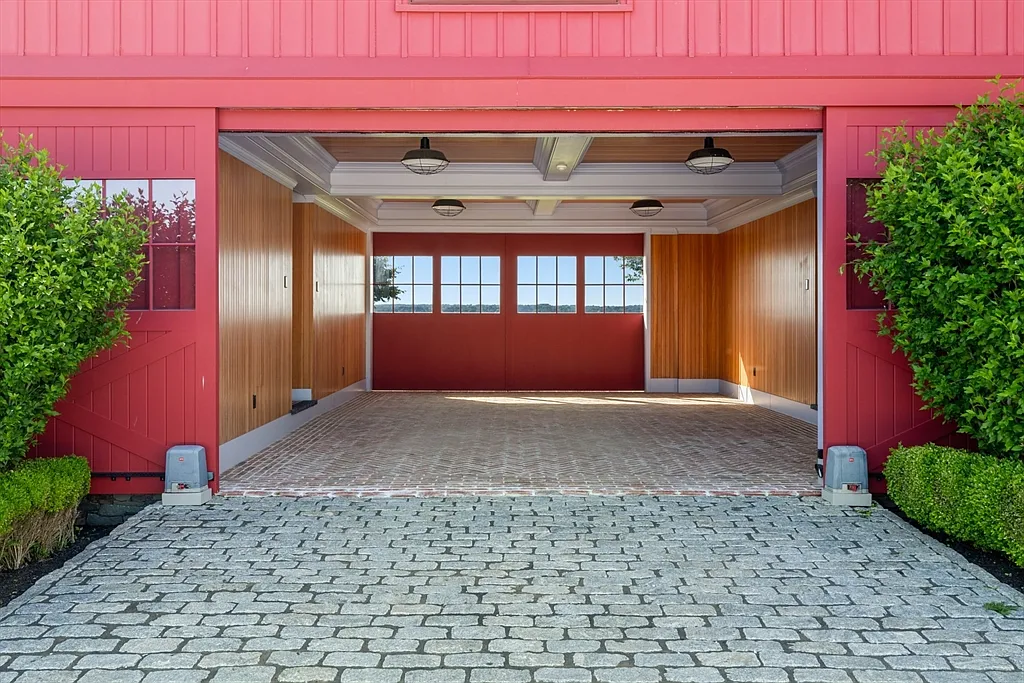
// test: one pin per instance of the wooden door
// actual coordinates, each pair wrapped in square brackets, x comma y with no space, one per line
[868,397]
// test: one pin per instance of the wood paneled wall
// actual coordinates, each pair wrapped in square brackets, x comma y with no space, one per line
[255,229]
[686,307]
[302,296]
[725,306]
[330,281]
[770,320]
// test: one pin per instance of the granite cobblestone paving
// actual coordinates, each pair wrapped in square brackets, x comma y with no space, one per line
[509,589]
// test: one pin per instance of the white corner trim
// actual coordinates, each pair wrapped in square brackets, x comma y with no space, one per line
[231,146]
[347,210]
[241,448]
[779,404]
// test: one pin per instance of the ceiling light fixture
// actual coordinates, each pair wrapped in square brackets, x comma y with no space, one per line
[709,159]
[425,161]
[645,208]
[561,166]
[448,207]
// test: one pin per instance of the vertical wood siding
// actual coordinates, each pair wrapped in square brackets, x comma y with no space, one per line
[769,319]
[868,400]
[339,303]
[127,405]
[302,296]
[255,307]
[723,305]
[374,28]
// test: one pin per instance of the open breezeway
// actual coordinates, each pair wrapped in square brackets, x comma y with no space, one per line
[513,590]
[431,443]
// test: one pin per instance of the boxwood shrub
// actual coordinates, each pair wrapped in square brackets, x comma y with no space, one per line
[969,496]
[38,505]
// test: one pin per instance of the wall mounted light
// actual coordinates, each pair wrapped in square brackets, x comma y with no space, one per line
[425,161]
[448,207]
[645,208]
[709,159]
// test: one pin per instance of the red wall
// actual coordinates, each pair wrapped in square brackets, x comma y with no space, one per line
[868,399]
[634,28]
[508,350]
[127,405]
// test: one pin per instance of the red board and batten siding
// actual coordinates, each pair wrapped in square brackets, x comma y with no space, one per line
[508,350]
[868,398]
[129,404]
[396,28]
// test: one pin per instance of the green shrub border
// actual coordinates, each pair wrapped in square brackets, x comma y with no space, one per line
[38,501]
[969,496]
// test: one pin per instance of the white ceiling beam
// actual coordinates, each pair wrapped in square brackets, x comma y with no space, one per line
[557,157]
[604,217]
[544,207]
[521,181]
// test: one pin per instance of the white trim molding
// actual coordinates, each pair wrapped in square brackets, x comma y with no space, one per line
[666,385]
[243,447]
[779,404]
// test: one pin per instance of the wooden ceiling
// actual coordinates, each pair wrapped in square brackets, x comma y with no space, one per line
[676,149]
[466,150]
[513,149]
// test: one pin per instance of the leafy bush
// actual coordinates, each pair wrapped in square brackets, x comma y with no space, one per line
[68,266]
[953,266]
[38,503]
[969,496]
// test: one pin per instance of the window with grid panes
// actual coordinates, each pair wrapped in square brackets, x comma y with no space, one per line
[470,284]
[403,284]
[169,208]
[613,284]
[546,284]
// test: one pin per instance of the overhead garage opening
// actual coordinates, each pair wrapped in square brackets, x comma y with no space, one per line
[523,266]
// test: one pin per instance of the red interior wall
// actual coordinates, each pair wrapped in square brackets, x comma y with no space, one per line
[508,350]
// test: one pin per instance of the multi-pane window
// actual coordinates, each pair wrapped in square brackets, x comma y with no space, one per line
[470,284]
[546,284]
[613,284]
[403,284]
[168,207]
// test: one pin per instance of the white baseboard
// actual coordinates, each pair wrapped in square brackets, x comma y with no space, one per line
[669,385]
[698,386]
[800,411]
[662,385]
[302,394]
[241,448]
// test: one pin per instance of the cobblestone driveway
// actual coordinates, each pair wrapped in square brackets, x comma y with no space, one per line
[513,589]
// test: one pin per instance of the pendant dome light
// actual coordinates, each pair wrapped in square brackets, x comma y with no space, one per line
[448,207]
[645,208]
[425,161]
[710,159]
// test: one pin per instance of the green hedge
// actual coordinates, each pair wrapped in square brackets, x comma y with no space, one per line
[968,496]
[38,504]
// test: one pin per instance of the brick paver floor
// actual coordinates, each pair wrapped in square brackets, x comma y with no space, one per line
[627,443]
[513,589]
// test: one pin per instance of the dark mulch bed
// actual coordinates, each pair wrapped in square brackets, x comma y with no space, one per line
[996,564]
[14,583]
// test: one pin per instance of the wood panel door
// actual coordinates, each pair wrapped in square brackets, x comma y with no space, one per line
[127,405]
[868,398]
[339,303]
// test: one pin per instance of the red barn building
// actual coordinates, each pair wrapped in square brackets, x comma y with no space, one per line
[267,136]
